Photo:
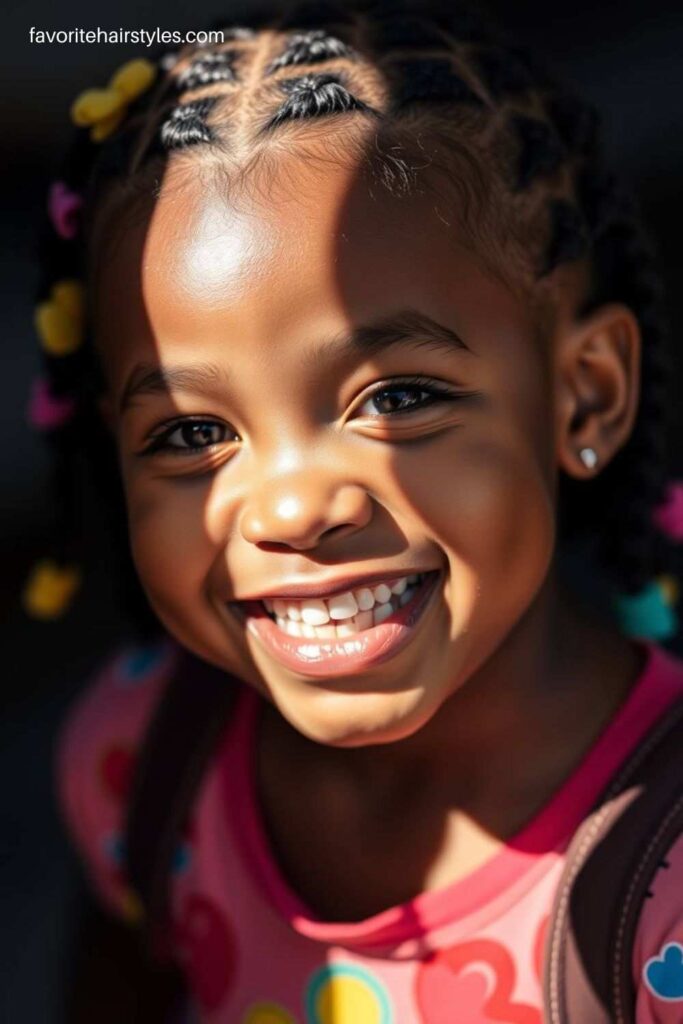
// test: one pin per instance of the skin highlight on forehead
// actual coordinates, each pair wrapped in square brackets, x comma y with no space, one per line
[203,251]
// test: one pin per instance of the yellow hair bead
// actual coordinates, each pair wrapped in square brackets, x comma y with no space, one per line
[70,295]
[131,907]
[670,589]
[60,320]
[49,589]
[104,109]
[95,105]
[107,126]
[133,78]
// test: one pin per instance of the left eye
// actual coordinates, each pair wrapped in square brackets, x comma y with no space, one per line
[400,398]
[189,437]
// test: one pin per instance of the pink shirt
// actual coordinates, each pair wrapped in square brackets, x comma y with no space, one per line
[253,953]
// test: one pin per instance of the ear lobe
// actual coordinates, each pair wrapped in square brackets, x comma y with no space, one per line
[598,387]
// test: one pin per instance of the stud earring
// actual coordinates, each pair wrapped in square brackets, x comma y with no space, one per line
[588,457]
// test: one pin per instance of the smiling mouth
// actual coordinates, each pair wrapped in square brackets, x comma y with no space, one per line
[343,634]
[345,614]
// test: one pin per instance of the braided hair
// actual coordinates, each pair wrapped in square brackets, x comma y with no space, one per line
[523,153]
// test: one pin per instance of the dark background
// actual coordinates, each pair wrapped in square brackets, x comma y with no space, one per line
[626,58]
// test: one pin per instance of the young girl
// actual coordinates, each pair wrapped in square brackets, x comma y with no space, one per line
[376,336]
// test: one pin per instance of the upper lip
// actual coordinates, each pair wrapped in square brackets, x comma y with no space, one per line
[328,587]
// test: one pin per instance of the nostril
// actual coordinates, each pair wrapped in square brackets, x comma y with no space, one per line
[334,530]
[275,546]
[303,545]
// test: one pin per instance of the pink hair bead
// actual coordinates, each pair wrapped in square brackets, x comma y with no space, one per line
[64,207]
[669,516]
[47,411]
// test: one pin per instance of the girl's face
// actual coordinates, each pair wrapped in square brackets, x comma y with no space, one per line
[314,391]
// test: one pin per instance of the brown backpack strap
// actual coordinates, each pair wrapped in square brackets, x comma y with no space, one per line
[610,864]
[180,739]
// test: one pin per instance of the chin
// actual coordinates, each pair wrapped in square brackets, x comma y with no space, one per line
[348,720]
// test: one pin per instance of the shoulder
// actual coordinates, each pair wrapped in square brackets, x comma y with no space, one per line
[658,947]
[94,757]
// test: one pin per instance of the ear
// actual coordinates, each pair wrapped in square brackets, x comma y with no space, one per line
[598,386]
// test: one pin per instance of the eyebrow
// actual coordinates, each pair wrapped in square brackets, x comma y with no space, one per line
[409,327]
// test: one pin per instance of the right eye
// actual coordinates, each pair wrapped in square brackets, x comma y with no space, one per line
[188,437]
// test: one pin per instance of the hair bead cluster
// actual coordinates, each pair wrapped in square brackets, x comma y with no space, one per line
[103,110]
[64,209]
[668,516]
[438,60]
[60,319]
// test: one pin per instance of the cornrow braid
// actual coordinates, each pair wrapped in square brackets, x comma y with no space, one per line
[408,33]
[407,67]
[315,96]
[502,75]
[429,80]
[540,150]
[311,47]
[186,124]
[207,69]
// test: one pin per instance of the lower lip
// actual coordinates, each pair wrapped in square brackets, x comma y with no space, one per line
[320,658]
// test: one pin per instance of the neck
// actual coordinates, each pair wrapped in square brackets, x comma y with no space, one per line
[526,714]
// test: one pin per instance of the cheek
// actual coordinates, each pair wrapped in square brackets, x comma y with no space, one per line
[169,541]
[487,502]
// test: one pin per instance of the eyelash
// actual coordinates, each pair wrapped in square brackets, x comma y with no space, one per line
[436,392]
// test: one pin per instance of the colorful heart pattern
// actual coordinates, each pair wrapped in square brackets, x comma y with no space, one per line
[663,974]
[473,983]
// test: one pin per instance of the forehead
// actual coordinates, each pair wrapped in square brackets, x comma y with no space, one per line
[275,262]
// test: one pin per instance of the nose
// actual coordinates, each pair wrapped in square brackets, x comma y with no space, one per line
[302,509]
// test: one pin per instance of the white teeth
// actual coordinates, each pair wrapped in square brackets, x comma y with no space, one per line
[363,620]
[314,612]
[382,612]
[347,629]
[311,650]
[364,598]
[354,611]
[343,606]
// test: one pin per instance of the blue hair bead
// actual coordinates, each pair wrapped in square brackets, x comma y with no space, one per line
[181,859]
[647,614]
[138,663]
